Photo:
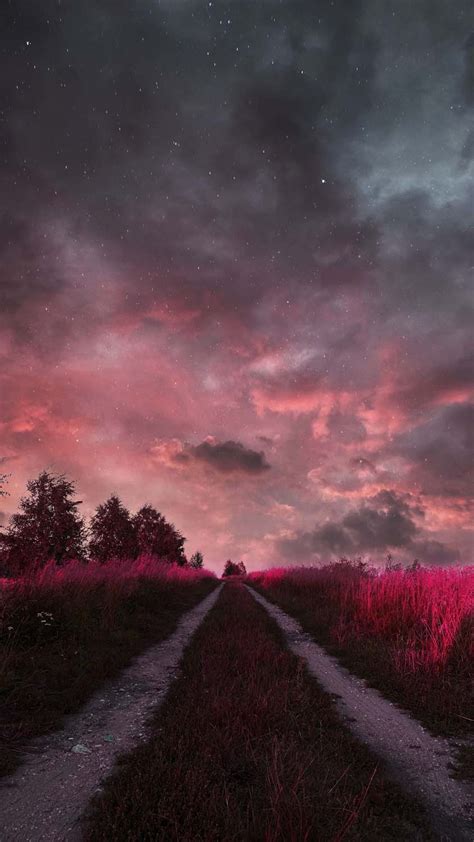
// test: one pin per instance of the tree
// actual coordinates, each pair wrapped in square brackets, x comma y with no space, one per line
[112,533]
[47,528]
[233,569]
[3,480]
[229,569]
[197,560]
[3,542]
[155,536]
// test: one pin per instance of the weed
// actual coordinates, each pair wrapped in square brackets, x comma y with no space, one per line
[247,746]
[410,633]
[64,630]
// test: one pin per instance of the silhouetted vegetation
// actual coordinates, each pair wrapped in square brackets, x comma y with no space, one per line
[155,536]
[49,528]
[233,568]
[111,532]
[3,480]
[197,561]
[80,602]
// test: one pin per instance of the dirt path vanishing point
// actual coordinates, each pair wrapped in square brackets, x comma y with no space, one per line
[46,797]
[417,760]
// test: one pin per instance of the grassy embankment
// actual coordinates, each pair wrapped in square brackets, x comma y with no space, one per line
[64,631]
[247,747]
[410,634]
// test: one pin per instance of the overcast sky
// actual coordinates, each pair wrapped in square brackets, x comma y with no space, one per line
[235,266]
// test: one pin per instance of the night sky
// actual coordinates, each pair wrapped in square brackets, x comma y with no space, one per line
[235,265]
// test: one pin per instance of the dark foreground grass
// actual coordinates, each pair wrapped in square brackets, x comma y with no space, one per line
[60,640]
[247,747]
[330,603]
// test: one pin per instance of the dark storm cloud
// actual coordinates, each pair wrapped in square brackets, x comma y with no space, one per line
[468,78]
[243,216]
[441,451]
[456,376]
[41,283]
[467,152]
[112,116]
[424,245]
[230,456]
[103,121]
[387,522]
[87,108]
[434,552]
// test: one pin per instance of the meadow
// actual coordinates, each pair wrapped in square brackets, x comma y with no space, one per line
[64,630]
[246,744]
[409,632]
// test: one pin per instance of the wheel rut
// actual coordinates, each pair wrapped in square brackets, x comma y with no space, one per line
[417,760]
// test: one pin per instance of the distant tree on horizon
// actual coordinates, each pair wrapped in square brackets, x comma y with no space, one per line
[197,560]
[229,569]
[112,533]
[155,536]
[47,528]
[232,568]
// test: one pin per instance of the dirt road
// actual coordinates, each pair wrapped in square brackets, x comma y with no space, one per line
[417,760]
[45,798]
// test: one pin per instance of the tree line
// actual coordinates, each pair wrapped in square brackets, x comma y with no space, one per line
[49,527]
[234,568]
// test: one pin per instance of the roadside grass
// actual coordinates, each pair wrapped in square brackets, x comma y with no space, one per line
[408,633]
[246,746]
[64,631]
[463,766]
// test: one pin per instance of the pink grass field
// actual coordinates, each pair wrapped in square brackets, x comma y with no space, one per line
[418,612]
[65,630]
[76,584]
[411,632]
[77,590]
[115,573]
